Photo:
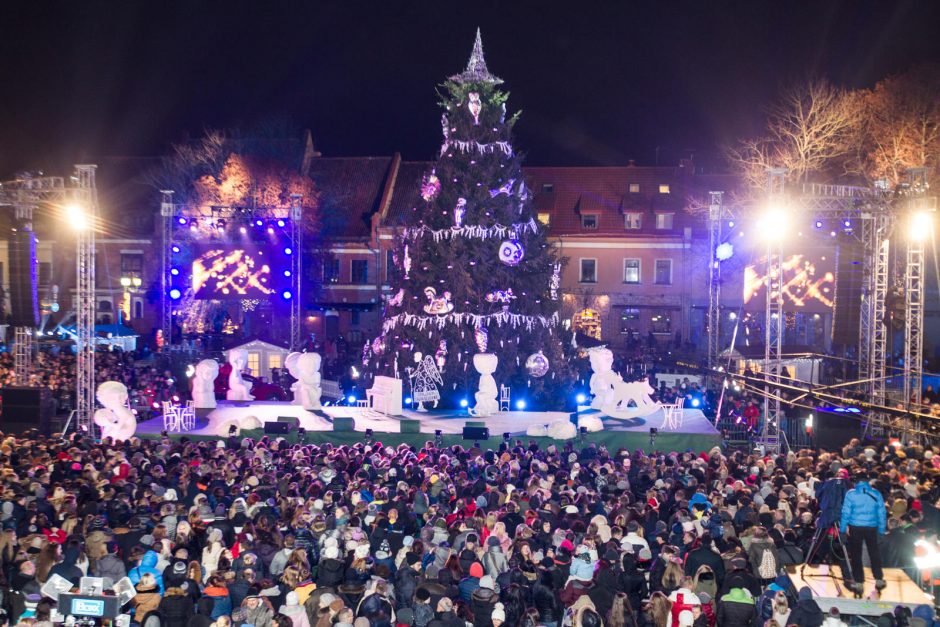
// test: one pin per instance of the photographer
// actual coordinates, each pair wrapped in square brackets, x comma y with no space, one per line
[863,519]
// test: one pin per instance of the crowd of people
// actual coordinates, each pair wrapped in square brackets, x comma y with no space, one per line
[269,534]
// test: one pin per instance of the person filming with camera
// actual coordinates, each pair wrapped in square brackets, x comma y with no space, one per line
[864,518]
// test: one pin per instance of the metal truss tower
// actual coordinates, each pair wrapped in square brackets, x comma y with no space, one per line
[167,215]
[23,336]
[873,329]
[914,288]
[773,321]
[297,240]
[85,302]
[714,281]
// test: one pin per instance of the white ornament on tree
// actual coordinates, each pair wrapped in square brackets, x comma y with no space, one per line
[459,212]
[486,396]
[511,252]
[425,380]
[407,262]
[537,365]
[474,106]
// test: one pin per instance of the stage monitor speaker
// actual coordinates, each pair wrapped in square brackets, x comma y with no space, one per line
[24,298]
[292,422]
[344,424]
[848,293]
[25,408]
[279,428]
[476,433]
[410,426]
[834,430]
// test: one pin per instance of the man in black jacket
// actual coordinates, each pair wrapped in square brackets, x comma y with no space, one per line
[740,577]
[703,553]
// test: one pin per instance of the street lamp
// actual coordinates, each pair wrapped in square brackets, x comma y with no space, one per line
[130,284]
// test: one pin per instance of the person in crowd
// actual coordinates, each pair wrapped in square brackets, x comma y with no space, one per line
[864,518]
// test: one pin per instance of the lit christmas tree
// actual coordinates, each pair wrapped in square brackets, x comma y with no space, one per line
[474,270]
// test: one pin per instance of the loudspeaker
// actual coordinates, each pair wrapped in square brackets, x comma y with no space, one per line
[476,433]
[24,298]
[280,428]
[23,408]
[848,293]
[292,422]
[834,430]
[344,424]
[410,426]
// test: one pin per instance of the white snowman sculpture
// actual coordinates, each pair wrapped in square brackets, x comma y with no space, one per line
[308,369]
[204,384]
[486,397]
[604,378]
[115,419]
[238,389]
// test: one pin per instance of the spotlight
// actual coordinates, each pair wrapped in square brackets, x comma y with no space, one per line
[76,217]
[408,400]
[242,230]
[286,295]
[270,231]
[847,224]
[193,228]
[730,224]
[175,248]
[520,404]
[819,224]
[580,398]
[696,402]
[732,316]
[259,222]
[281,223]
[463,402]
[287,273]
[921,225]
[773,225]
[181,220]
[724,251]
[351,399]
[175,294]
[288,251]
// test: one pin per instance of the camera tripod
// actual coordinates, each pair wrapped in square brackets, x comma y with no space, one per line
[845,564]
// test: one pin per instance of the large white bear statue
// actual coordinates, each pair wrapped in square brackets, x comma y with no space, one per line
[204,384]
[115,419]
[308,369]
[604,378]
[238,389]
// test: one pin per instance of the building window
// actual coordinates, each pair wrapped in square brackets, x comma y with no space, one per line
[545,218]
[663,188]
[330,270]
[588,322]
[254,363]
[664,221]
[629,319]
[548,188]
[131,263]
[389,263]
[631,271]
[274,361]
[633,220]
[359,271]
[104,305]
[634,188]
[589,221]
[664,272]
[589,270]
[45,273]
[355,317]
[661,321]
[138,309]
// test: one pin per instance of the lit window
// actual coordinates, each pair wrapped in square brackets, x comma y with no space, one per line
[629,319]
[548,188]
[634,188]
[664,221]
[545,218]
[631,271]
[664,272]
[660,321]
[633,220]
[663,188]
[274,361]
[331,270]
[589,270]
[589,221]
[360,271]
[254,363]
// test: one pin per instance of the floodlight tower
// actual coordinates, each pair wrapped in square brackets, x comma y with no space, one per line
[167,214]
[297,241]
[773,228]
[920,217]
[84,219]
[714,280]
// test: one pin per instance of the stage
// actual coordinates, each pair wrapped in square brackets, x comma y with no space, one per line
[696,431]
[830,591]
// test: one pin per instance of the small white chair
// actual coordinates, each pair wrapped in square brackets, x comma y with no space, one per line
[672,416]
[504,402]
[171,417]
[188,416]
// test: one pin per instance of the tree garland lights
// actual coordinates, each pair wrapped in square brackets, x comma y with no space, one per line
[500,318]
[473,231]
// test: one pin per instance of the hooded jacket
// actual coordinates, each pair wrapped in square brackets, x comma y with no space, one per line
[148,564]
[863,507]
[176,608]
[330,573]
[736,609]
[145,601]
[67,568]
[110,566]
[297,614]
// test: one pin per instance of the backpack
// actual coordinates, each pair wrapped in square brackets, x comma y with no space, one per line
[768,565]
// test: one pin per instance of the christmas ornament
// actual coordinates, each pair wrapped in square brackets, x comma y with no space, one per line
[459,212]
[424,381]
[366,354]
[511,252]
[556,281]
[537,365]
[430,187]
[444,126]
[503,189]
[482,337]
[500,296]
[502,115]
[440,357]
[474,106]
[396,300]
[407,262]
[378,347]
[437,305]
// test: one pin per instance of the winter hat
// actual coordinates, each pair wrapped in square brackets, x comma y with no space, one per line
[805,594]
[645,555]
[291,599]
[331,553]
[499,613]
[170,495]
[214,536]
[326,599]
[487,582]
[179,568]
[686,619]
[476,570]
[362,551]
[405,616]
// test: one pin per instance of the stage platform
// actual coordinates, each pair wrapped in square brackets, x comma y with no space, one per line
[696,433]
[829,591]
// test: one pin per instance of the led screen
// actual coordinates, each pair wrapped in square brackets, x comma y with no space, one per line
[222,273]
[808,282]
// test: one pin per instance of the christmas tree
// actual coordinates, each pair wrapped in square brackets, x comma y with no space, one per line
[474,270]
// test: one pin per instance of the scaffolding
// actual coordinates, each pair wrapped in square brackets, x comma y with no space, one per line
[167,213]
[713,319]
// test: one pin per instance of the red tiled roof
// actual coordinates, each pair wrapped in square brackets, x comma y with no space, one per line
[406,196]
[350,191]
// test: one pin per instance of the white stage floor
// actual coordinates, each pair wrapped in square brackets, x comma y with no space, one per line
[448,421]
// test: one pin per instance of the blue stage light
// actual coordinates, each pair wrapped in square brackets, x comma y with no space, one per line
[181,220]
[286,295]
[408,401]
[580,398]
[287,273]
[351,399]
[175,248]
[175,271]
[281,223]
[730,224]
[724,251]
[463,402]
[520,404]
[847,224]
[818,224]
[259,222]
[696,402]
[175,294]
[288,251]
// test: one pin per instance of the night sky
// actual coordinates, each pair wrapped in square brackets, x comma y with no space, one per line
[598,83]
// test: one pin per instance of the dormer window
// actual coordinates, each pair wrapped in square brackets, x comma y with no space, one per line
[548,188]
[664,221]
[633,220]
[589,221]
[634,188]
[663,188]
